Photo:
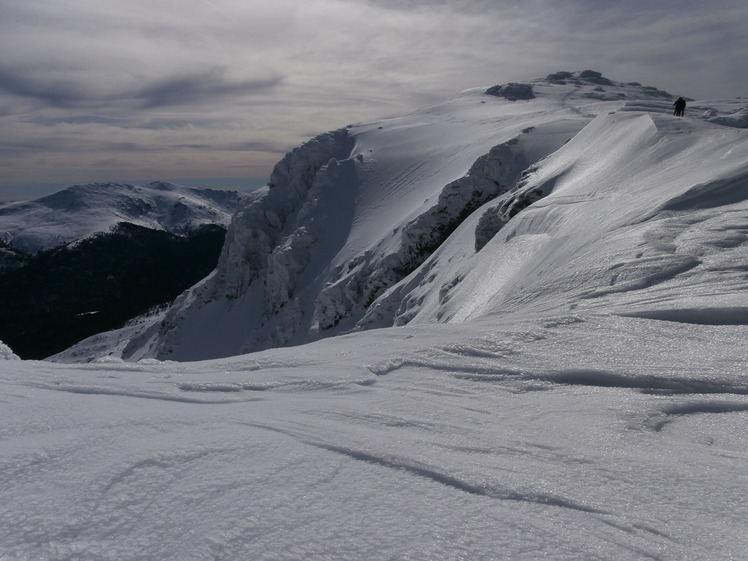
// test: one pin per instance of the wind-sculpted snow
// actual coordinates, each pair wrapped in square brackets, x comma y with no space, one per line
[649,227]
[732,115]
[304,257]
[559,437]
[356,286]
[561,372]
[713,194]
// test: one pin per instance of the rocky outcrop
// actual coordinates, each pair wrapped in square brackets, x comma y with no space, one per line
[512,91]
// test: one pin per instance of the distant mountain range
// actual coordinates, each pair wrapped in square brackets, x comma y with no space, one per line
[88,258]
[82,210]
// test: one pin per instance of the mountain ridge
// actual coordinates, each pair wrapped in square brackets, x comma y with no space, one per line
[358,240]
[79,211]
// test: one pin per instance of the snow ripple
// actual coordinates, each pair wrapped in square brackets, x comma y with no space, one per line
[489,491]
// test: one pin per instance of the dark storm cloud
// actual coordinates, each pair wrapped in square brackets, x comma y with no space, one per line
[200,87]
[53,92]
[197,87]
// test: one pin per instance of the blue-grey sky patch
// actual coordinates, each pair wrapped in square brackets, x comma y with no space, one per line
[100,90]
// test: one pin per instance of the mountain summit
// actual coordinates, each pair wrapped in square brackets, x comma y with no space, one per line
[570,194]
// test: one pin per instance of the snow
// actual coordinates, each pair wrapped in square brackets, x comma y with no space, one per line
[601,245]
[595,437]
[6,353]
[82,210]
[357,225]
[562,377]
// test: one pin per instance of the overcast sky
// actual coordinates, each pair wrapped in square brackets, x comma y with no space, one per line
[214,92]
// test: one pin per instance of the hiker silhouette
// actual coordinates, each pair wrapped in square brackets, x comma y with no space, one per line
[680,107]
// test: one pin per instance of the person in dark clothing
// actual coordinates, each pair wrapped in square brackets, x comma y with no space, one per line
[680,107]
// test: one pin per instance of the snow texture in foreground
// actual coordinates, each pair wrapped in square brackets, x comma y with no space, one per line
[565,438]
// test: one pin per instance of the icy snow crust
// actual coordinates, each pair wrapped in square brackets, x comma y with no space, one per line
[562,375]
[82,210]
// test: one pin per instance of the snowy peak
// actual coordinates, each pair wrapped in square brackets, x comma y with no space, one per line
[497,201]
[82,210]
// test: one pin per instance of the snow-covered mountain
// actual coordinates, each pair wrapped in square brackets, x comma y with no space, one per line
[500,200]
[82,210]
[111,252]
[563,270]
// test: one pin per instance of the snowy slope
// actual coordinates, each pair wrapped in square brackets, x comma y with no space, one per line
[6,353]
[396,221]
[563,372]
[568,438]
[640,214]
[79,211]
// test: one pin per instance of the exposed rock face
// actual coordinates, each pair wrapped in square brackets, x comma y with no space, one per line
[512,91]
